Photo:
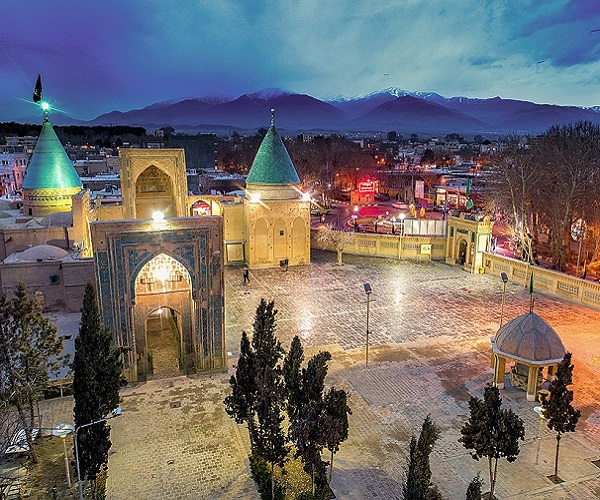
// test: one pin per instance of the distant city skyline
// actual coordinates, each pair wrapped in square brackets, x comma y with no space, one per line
[95,57]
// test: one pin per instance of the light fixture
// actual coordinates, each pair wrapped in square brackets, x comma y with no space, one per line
[305,196]
[162,273]
[158,216]
[254,197]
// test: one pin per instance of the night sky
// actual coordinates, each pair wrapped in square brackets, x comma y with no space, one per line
[97,56]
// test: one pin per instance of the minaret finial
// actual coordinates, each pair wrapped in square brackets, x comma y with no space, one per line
[272,116]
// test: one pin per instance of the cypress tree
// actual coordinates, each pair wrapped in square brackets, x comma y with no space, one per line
[270,396]
[292,377]
[240,405]
[96,381]
[418,484]
[336,422]
[561,415]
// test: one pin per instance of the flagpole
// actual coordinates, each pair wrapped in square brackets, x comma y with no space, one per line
[531,289]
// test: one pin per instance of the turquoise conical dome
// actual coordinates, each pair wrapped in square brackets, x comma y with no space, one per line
[50,167]
[272,164]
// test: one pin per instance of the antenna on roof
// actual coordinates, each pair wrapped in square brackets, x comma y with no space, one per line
[272,116]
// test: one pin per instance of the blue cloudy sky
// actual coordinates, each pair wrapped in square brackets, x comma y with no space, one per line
[96,56]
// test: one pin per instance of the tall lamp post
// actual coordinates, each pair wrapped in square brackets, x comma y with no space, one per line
[115,413]
[368,291]
[504,281]
[401,216]
[61,431]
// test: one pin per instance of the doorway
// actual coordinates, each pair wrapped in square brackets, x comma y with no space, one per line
[462,252]
[163,337]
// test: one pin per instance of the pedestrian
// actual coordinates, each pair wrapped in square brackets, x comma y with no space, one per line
[285,264]
[246,276]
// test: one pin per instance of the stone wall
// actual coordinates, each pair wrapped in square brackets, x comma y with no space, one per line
[391,246]
[61,283]
[544,280]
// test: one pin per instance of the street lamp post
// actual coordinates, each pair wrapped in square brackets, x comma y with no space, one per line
[61,431]
[115,413]
[402,216]
[539,410]
[368,291]
[504,281]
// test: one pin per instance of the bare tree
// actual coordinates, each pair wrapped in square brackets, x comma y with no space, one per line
[515,181]
[327,236]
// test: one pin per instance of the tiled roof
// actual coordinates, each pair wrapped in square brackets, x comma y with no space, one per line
[272,164]
[529,337]
[50,167]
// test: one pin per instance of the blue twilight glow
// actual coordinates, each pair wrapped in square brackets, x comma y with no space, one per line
[95,57]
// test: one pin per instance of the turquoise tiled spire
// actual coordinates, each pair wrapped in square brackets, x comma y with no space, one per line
[50,167]
[272,164]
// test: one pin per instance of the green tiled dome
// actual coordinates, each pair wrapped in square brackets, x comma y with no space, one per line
[272,164]
[50,167]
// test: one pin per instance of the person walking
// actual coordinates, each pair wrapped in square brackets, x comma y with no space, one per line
[246,276]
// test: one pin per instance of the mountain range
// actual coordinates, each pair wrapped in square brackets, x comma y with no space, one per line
[389,109]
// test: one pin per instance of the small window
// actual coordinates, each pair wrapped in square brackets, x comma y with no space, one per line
[281,232]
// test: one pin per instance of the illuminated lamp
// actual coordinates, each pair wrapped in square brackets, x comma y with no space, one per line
[254,197]
[162,273]
[158,216]
[305,196]
[45,106]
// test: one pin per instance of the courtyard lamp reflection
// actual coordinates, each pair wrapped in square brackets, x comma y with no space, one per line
[117,412]
[368,290]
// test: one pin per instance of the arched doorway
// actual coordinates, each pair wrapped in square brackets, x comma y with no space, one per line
[462,252]
[163,340]
[163,318]
[154,192]
[200,208]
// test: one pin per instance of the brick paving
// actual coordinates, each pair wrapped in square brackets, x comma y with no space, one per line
[430,326]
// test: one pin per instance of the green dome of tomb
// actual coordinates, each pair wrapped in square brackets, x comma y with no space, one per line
[50,167]
[272,164]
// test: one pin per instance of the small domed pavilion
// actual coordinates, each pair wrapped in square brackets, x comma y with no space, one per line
[532,344]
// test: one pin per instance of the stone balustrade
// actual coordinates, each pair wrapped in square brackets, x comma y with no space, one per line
[544,280]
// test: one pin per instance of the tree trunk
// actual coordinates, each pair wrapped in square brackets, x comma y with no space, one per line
[312,478]
[493,475]
[272,482]
[28,436]
[331,469]
[556,457]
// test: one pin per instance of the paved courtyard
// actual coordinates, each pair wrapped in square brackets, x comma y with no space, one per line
[430,326]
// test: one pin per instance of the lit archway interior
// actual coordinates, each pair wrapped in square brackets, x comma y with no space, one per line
[163,317]
[154,193]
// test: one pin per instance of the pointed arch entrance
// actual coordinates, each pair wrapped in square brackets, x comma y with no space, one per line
[154,192]
[162,317]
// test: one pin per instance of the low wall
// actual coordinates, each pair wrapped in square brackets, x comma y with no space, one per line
[544,280]
[388,245]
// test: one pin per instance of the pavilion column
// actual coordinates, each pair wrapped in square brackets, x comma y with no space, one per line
[552,372]
[499,373]
[532,380]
